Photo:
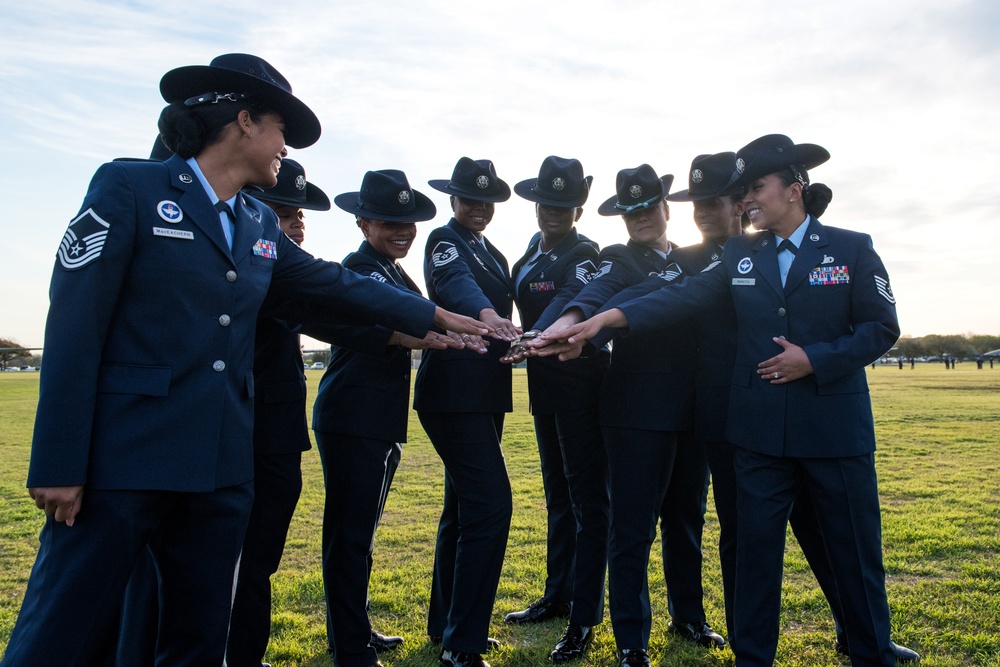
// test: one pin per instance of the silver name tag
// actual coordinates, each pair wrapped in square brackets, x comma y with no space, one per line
[173,233]
[744,281]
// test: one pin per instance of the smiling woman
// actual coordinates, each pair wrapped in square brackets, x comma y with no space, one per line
[143,433]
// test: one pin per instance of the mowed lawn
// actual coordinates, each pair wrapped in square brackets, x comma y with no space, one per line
[939,467]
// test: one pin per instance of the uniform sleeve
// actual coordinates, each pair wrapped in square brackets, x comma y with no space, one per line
[90,269]
[874,325]
[297,274]
[614,273]
[576,276]
[676,301]
[449,277]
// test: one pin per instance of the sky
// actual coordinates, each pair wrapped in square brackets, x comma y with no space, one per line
[905,94]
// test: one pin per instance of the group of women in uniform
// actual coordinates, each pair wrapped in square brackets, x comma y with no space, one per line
[143,436]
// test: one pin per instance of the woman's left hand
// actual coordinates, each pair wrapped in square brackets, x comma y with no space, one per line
[792,364]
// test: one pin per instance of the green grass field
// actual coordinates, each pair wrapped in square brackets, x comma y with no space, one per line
[939,467]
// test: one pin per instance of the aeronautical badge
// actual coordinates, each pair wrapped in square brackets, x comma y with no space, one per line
[300,182]
[483,182]
[696,176]
[170,211]
[444,253]
[83,241]
[558,183]
[712,266]
[375,275]
[883,288]
[585,271]
[266,249]
[403,197]
[672,272]
[745,266]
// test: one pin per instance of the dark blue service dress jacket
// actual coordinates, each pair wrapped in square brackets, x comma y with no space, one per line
[836,304]
[553,385]
[148,377]
[465,275]
[367,395]
[650,384]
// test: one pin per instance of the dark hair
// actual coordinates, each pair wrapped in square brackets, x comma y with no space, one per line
[187,130]
[815,196]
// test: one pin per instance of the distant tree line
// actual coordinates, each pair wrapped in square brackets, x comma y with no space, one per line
[966,346]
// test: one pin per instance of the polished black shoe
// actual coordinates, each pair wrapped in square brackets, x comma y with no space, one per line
[633,657]
[574,642]
[902,653]
[460,659]
[699,633]
[538,611]
[382,643]
[491,644]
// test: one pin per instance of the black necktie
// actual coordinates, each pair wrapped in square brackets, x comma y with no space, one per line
[787,245]
[229,230]
[223,207]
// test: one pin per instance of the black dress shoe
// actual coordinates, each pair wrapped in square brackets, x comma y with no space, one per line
[573,643]
[902,653]
[633,657]
[382,643]
[699,633]
[538,611]
[460,659]
[491,644]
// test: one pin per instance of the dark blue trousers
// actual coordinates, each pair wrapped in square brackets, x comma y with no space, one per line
[277,486]
[472,533]
[844,492]
[682,521]
[79,577]
[358,473]
[639,466]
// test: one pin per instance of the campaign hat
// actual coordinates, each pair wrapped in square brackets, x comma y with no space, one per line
[386,195]
[711,175]
[636,188]
[560,182]
[293,189]
[473,179]
[776,152]
[236,76]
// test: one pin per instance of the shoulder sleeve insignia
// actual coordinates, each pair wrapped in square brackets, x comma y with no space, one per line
[603,269]
[444,253]
[883,288]
[672,272]
[83,241]
[585,271]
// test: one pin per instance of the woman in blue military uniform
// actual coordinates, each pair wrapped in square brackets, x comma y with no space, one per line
[814,307]
[360,416]
[461,398]
[646,407]
[143,433]
[564,400]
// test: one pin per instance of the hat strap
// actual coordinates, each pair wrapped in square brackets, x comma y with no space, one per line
[213,98]
[646,204]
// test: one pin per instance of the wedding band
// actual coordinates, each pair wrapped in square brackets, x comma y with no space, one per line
[775,375]
[465,336]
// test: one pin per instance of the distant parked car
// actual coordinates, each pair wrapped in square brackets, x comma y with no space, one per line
[319,365]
